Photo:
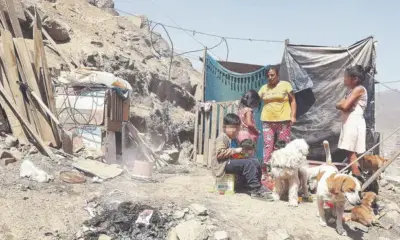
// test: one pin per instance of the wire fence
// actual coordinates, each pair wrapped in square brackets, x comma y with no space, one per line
[388,149]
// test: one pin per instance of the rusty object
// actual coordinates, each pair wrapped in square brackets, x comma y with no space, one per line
[72,177]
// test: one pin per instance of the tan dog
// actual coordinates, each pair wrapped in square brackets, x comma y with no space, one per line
[337,188]
[364,213]
[371,163]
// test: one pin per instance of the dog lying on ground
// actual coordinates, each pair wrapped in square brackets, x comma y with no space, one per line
[364,213]
[286,163]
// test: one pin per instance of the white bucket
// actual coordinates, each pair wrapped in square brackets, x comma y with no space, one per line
[142,169]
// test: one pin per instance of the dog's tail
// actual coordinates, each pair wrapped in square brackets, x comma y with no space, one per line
[327,152]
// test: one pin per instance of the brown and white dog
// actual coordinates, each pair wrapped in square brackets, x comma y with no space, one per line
[337,188]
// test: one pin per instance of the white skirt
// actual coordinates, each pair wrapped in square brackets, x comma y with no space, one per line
[353,134]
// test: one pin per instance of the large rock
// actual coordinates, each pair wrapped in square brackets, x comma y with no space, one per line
[11,141]
[174,93]
[191,230]
[221,235]
[105,3]
[57,30]
[198,209]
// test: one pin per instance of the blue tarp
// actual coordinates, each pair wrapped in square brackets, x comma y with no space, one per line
[224,85]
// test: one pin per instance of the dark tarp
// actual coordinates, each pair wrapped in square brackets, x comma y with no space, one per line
[323,68]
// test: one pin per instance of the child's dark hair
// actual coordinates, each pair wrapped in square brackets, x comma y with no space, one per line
[247,144]
[231,119]
[250,99]
[358,72]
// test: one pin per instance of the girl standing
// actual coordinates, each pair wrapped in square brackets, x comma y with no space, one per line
[248,102]
[279,111]
[353,131]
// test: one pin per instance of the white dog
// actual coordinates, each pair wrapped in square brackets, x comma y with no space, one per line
[286,163]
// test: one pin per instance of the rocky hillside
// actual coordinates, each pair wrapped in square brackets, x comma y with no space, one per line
[90,33]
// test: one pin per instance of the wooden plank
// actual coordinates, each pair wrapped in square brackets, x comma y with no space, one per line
[201,133]
[221,113]
[111,149]
[13,18]
[15,125]
[41,120]
[3,20]
[19,9]
[207,126]
[40,62]
[28,126]
[10,68]
[196,135]
[70,62]
[213,135]
[125,109]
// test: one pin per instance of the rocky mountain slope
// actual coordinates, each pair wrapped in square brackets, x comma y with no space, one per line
[91,34]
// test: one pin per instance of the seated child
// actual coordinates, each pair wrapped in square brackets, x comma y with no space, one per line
[226,146]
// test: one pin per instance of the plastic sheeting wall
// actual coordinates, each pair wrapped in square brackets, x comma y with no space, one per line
[318,119]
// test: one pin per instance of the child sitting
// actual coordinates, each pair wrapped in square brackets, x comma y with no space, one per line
[226,146]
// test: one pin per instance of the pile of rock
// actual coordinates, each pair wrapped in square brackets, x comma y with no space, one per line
[164,92]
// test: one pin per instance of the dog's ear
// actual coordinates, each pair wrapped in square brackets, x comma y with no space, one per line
[333,184]
[363,195]
[340,184]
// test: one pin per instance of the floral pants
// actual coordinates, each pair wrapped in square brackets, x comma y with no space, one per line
[270,129]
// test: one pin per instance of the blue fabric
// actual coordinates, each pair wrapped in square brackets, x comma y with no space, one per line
[234,144]
[224,85]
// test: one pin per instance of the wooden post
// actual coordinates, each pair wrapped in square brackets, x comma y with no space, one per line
[198,128]
[203,87]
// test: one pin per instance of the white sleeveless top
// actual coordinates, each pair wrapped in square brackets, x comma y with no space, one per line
[359,106]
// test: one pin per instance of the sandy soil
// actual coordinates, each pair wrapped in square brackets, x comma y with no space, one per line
[54,210]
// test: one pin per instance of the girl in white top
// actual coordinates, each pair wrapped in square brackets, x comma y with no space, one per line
[353,133]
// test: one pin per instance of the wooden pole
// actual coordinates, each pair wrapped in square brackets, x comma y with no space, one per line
[204,74]
[379,171]
[196,123]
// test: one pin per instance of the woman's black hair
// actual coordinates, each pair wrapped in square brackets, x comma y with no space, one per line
[275,67]
[250,99]
[231,119]
[358,72]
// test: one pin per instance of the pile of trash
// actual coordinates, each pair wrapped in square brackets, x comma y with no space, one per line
[129,221]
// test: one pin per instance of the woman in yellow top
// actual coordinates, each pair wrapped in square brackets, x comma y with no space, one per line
[279,111]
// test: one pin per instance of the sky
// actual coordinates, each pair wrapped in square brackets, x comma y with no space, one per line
[311,22]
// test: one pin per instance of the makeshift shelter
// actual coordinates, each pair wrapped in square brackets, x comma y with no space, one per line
[316,74]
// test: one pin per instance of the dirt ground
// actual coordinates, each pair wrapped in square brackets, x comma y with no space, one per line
[55,210]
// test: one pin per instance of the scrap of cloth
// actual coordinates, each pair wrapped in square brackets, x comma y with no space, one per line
[90,76]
